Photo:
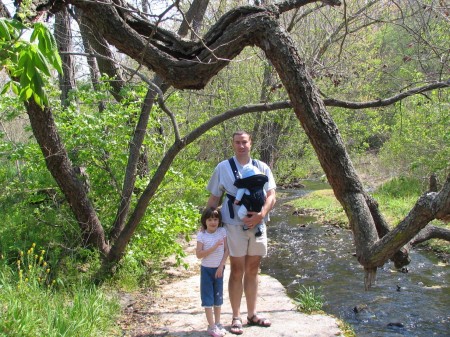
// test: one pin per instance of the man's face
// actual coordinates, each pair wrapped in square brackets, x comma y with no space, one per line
[242,144]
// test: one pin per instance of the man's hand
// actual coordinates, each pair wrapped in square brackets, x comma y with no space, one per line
[252,219]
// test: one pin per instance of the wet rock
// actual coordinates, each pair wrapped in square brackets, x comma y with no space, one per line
[360,308]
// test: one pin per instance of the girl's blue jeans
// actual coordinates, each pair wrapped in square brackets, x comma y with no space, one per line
[211,288]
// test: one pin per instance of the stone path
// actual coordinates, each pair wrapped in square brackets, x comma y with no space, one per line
[176,311]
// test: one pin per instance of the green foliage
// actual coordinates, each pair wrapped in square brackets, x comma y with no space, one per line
[346,328]
[400,187]
[27,63]
[325,203]
[164,231]
[33,305]
[309,299]
[420,141]
[32,269]
[397,196]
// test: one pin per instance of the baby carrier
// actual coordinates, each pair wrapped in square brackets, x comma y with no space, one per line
[255,184]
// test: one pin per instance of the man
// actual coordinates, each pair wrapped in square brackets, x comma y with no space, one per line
[246,249]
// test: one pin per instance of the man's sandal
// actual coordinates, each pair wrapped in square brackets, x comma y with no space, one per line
[258,321]
[236,326]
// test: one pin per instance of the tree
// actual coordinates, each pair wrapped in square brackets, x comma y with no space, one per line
[192,64]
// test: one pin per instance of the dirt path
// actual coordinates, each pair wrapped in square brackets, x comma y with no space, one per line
[176,311]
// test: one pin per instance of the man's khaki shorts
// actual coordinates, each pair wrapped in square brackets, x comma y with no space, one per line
[242,243]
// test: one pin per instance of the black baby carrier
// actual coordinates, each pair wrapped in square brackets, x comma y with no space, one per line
[255,184]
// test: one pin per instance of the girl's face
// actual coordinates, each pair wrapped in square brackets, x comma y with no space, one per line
[212,224]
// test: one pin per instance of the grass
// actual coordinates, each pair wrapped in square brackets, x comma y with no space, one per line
[395,197]
[324,205]
[346,329]
[33,305]
[309,299]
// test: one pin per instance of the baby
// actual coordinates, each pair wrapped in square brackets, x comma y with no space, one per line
[250,194]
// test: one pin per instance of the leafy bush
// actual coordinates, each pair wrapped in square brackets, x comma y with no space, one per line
[163,233]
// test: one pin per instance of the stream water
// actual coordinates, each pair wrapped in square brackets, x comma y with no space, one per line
[302,252]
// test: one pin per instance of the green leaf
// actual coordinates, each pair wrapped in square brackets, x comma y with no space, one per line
[17,25]
[30,69]
[37,84]
[4,31]
[25,93]
[5,88]
[24,80]
[23,58]
[41,101]
[15,87]
[34,35]
[57,63]
[41,63]
[49,39]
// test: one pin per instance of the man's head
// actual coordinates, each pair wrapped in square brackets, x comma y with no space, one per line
[242,143]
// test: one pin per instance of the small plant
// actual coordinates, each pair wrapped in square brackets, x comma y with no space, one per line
[346,329]
[31,306]
[309,299]
[32,268]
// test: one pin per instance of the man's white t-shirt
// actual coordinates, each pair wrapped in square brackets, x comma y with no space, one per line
[209,240]
[222,181]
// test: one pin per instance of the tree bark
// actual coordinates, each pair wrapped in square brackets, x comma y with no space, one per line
[58,163]
[105,63]
[91,60]
[63,36]
[4,13]
[193,18]
[431,232]
[191,65]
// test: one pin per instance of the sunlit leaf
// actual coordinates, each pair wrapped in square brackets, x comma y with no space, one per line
[5,88]
[4,31]
[41,63]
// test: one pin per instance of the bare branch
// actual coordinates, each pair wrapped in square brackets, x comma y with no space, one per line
[431,232]
[430,206]
[386,101]
[291,4]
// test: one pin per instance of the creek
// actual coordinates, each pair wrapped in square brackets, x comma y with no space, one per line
[303,252]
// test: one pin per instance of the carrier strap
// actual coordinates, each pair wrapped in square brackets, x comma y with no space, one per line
[236,176]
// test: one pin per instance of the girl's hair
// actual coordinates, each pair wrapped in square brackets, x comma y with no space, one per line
[210,212]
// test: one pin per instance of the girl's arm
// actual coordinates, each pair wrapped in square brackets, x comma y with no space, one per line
[220,269]
[200,253]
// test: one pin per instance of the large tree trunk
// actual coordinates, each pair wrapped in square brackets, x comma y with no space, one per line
[431,232]
[189,64]
[90,59]
[4,13]
[96,44]
[63,35]
[58,163]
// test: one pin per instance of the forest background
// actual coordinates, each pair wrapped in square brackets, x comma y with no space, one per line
[381,67]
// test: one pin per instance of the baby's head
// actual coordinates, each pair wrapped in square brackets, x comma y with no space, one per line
[250,170]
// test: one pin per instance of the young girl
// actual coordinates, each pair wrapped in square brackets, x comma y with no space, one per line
[213,250]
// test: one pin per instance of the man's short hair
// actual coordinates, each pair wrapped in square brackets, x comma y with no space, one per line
[240,133]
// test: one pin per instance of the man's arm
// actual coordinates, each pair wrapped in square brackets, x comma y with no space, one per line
[257,217]
[213,201]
